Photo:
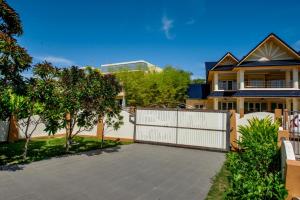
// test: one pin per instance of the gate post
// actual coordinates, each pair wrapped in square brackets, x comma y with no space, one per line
[177,127]
[134,131]
[233,134]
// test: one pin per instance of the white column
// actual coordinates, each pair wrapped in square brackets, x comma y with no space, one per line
[295,78]
[288,104]
[295,104]
[216,81]
[242,84]
[216,104]
[238,80]
[288,79]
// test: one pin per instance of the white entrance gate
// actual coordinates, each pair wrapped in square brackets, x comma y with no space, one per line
[188,128]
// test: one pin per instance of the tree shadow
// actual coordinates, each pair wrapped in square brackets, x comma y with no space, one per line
[44,149]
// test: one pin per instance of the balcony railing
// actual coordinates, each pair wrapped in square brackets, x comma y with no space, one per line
[268,84]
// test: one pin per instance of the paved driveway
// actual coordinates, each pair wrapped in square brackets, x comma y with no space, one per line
[130,172]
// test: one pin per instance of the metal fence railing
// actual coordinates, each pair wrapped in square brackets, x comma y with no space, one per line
[291,122]
[268,84]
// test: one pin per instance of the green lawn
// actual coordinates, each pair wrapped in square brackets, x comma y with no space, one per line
[220,184]
[40,149]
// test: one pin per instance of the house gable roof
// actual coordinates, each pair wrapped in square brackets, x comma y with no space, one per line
[271,48]
[227,60]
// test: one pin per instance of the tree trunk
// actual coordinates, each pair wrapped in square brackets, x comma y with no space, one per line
[67,140]
[102,137]
[27,138]
[68,129]
[26,148]
[8,130]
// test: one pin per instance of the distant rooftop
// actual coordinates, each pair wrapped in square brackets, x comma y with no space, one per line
[131,66]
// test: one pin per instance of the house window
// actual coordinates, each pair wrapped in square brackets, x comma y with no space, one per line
[227,105]
[255,107]
[199,106]
[227,85]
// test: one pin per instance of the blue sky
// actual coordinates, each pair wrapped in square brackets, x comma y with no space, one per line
[183,33]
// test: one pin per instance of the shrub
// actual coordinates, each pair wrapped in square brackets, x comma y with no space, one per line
[256,168]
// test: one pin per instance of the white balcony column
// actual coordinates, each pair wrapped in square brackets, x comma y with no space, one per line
[288,104]
[295,104]
[295,78]
[241,75]
[238,81]
[216,104]
[216,81]
[288,79]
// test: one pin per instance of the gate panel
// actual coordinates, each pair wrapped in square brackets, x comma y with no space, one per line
[202,138]
[194,128]
[156,134]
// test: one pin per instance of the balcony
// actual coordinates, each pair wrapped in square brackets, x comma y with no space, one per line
[268,84]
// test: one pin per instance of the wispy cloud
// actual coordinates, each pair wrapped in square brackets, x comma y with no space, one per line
[191,21]
[167,25]
[55,60]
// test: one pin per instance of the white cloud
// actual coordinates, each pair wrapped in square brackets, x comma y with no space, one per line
[55,60]
[191,21]
[167,25]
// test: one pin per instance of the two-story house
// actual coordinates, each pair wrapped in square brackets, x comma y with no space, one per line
[263,80]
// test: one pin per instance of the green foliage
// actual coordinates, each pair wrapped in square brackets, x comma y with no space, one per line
[198,81]
[13,58]
[77,97]
[10,20]
[155,89]
[256,169]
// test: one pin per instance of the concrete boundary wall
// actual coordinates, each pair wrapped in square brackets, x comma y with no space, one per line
[290,170]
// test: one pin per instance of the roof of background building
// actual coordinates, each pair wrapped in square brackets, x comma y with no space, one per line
[130,65]
[198,91]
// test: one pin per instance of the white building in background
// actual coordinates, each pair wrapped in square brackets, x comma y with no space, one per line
[131,66]
[138,65]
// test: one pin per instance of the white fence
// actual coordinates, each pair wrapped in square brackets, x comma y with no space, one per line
[125,131]
[244,120]
[206,129]
[4,125]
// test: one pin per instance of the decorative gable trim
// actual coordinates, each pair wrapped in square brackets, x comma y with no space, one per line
[227,59]
[270,51]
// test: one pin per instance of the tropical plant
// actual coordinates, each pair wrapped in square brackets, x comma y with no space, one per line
[256,168]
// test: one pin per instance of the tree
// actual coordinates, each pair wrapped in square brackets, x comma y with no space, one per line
[13,58]
[13,61]
[155,89]
[198,81]
[29,108]
[28,114]
[84,97]
[10,21]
